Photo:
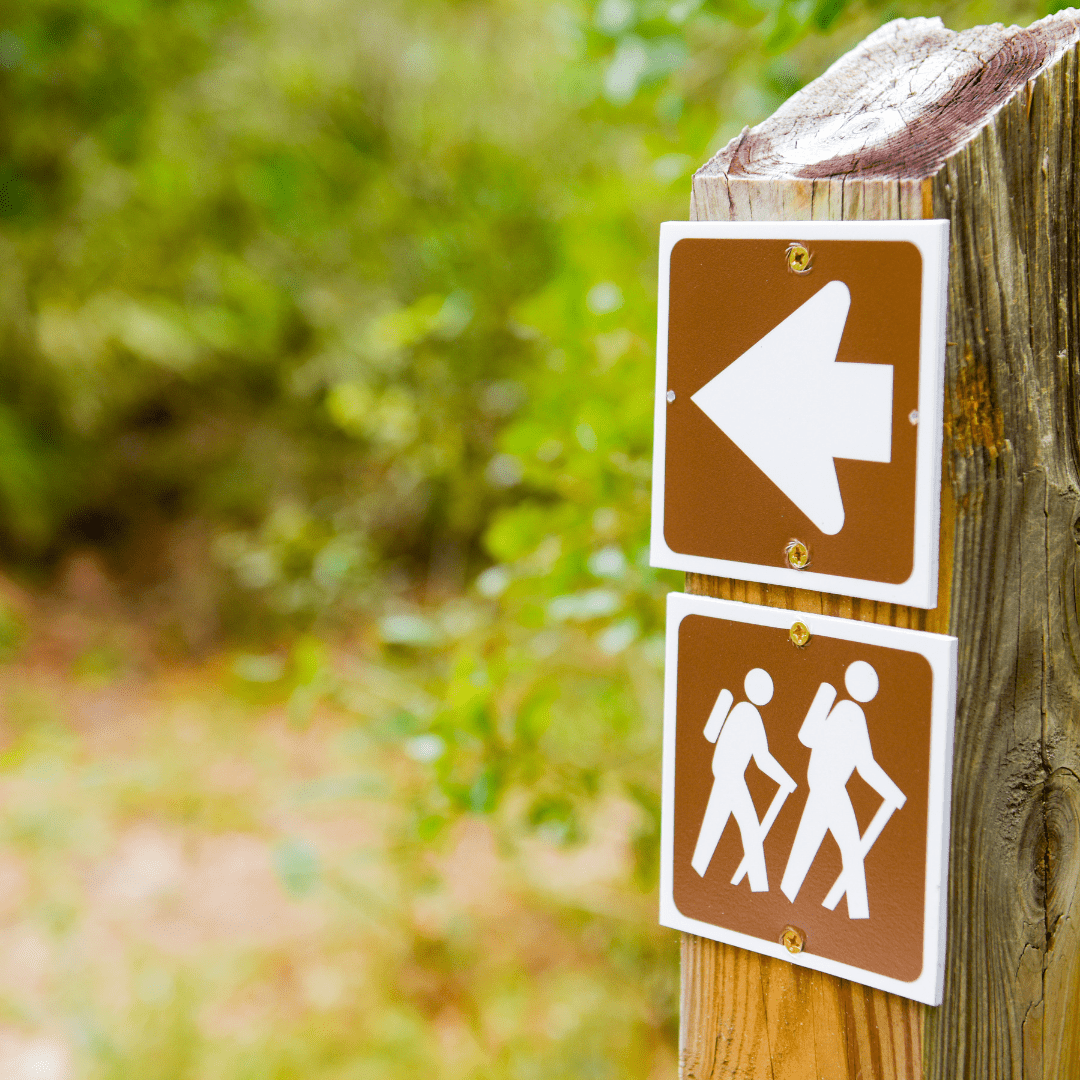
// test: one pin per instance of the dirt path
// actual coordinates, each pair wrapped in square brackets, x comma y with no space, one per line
[196,882]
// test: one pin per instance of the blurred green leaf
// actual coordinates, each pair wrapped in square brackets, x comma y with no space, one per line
[297,864]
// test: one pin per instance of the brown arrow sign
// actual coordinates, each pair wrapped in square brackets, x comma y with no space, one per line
[799,404]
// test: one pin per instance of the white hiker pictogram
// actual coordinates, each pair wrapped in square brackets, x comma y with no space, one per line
[839,744]
[739,736]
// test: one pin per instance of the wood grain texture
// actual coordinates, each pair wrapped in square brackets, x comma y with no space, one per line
[990,143]
[898,105]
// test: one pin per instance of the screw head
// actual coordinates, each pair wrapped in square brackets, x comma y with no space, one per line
[913,416]
[799,259]
[793,939]
[670,396]
[799,634]
[798,554]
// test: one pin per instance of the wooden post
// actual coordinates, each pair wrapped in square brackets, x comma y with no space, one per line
[981,127]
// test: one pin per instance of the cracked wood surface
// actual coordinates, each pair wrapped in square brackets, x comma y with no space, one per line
[983,128]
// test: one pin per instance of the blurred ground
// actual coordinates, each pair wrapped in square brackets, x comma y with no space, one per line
[194,884]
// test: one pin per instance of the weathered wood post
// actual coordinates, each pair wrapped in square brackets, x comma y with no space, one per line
[983,128]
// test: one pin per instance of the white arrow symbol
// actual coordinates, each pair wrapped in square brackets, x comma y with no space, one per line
[791,408]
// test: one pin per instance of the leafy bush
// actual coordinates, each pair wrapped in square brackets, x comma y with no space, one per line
[345,282]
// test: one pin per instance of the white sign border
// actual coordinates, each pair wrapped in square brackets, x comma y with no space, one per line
[931,237]
[940,651]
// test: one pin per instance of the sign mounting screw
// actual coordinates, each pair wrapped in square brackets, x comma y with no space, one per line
[670,396]
[799,259]
[793,939]
[798,554]
[799,634]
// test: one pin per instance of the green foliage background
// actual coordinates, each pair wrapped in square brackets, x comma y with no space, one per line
[345,310]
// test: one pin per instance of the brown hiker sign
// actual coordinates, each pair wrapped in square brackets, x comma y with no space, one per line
[806,789]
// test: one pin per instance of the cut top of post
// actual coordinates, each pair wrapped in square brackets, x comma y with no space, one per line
[910,77]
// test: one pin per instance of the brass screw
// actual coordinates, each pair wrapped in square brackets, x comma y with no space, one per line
[793,939]
[799,259]
[798,554]
[799,634]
